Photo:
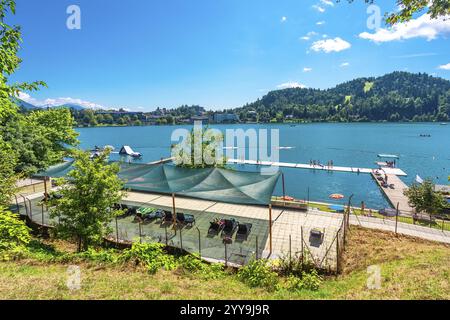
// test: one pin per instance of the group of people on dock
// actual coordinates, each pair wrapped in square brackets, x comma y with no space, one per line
[314,163]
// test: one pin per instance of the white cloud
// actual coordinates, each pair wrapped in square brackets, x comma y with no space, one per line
[324,36]
[318,8]
[308,35]
[319,23]
[306,69]
[422,27]
[58,102]
[283,19]
[330,45]
[327,2]
[344,64]
[445,66]
[290,85]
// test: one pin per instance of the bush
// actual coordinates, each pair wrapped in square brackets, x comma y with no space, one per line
[308,281]
[150,255]
[193,264]
[14,235]
[258,273]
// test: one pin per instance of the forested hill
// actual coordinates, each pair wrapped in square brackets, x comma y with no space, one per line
[398,96]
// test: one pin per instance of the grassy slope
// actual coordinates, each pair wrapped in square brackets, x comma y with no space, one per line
[411,269]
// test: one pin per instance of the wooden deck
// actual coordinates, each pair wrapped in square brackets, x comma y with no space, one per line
[395,196]
[389,171]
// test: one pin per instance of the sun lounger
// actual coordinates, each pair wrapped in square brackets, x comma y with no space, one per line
[168,217]
[230,227]
[186,219]
[243,231]
[215,227]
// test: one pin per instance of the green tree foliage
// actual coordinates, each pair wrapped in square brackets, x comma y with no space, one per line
[398,96]
[88,195]
[436,9]
[424,199]
[8,177]
[14,235]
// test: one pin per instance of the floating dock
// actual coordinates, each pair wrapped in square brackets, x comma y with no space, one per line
[388,171]
[395,195]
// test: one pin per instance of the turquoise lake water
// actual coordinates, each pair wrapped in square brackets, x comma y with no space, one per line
[351,145]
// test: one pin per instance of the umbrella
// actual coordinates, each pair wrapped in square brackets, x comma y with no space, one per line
[336,196]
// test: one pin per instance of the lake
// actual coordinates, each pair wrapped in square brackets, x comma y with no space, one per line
[351,145]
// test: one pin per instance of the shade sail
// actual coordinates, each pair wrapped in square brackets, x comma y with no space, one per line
[207,183]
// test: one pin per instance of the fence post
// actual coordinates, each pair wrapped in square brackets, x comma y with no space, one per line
[26,207]
[302,247]
[117,231]
[181,238]
[165,229]
[290,252]
[199,243]
[396,218]
[42,213]
[443,221]
[256,252]
[140,232]
[337,254]
[226,254]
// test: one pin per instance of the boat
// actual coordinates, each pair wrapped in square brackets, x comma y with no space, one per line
[126,150]
[382,155]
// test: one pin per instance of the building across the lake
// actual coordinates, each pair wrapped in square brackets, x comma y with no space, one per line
[225,118]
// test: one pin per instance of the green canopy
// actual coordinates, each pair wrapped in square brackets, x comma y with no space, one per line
[207,183]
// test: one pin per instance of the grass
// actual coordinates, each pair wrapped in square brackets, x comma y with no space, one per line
[410,269]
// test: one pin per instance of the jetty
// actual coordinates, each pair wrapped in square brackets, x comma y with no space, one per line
[386,170]
[394,191]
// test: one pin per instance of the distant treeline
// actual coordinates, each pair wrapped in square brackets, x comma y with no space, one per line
[398,96]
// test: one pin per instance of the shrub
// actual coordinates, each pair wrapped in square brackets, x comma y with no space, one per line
[150,255]
[308,281]
[14,235]
[193,264]
[258,273]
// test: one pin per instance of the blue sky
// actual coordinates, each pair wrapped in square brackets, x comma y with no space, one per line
[142,54]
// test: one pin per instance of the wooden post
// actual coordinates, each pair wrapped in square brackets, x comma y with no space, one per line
[308,195]
[284,187]
[256,252]
[140,232]
[42,207]
[270,228]
[173,208]
[117,231]
[199,243]
[45,189]
[301,234]
[337,254]
[226,254]
[396,218]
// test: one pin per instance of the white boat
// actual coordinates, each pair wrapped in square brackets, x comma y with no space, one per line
[126,150]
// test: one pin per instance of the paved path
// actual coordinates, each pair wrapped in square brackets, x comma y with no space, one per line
[403,228]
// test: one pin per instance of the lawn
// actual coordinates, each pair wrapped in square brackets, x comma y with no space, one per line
[410,269]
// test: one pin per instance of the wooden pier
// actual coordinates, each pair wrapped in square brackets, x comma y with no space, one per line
[389,171]
[395,195]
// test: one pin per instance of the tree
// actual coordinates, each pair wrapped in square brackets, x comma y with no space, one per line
[424,199]
[89,193]
[14,234]
[208,141]
[436,9]
[8,177]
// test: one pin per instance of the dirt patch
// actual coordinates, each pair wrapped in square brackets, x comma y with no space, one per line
[366,247]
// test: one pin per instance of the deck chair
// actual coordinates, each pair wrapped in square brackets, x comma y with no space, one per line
[186,219]
[229,227]
[168,217]
[243,231]
[215,227]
